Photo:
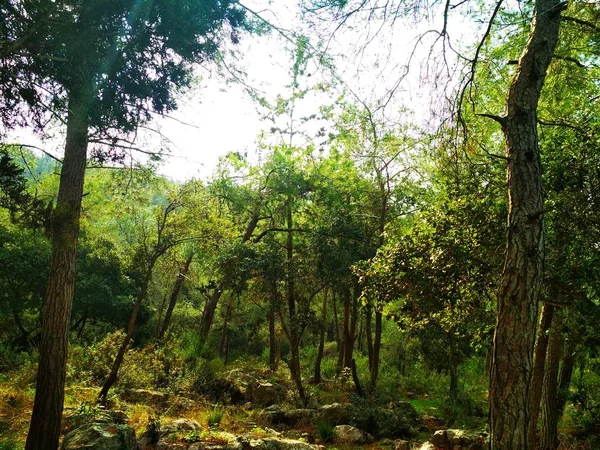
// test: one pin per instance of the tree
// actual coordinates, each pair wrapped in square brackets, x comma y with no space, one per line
[102,68]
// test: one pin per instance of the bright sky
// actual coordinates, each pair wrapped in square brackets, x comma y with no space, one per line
[216,117]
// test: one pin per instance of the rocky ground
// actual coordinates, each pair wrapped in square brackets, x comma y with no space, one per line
[263,418]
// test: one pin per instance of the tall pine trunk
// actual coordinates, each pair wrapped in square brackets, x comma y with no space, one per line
[44,430]
[175,295]
[514,336]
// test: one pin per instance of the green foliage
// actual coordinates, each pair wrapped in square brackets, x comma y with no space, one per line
[463,411]
[10,443]
[214,418]
[85,413]
[325,431]
[150,367]
[153,429]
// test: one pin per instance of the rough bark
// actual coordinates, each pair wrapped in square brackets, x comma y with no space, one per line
[321,336]
[514,335]
[537,378]
[114,372]
[44,429]
[548,439]
[175,295]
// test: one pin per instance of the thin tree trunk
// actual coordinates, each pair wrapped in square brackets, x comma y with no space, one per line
[83,322]
[514,336]
[225,334]
[44,430]
[321,337]
[348,329]
[539,363]
[294,333]
[160,314]
[453,366]
[183,271]
[369,331]
[376,353]
[356,380]
[114,372]
[208,315]
[273,350]
[566,370]
[360,337]
[549,406]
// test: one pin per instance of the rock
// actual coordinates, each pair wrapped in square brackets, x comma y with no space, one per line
[146,397]
[186,424]
[279,416]
[335,414]
[347,434]
[100,436]
[308,438]
[398,420]
[402,445]
[272,432]
[263,393]
[285,444]
[449,439]
[427,446]
[162,445]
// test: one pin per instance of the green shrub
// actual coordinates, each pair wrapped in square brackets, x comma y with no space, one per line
[463,411]
[143,368]
[153,429]
[9,443]
[325,430]
[214,418]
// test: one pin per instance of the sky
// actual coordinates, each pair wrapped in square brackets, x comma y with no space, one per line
[217,116]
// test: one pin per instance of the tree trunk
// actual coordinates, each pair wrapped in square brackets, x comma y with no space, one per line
[537,378]
[160,314]
[294,328]
[376,353]
[453,366]
[175,295]
[224,344]
[549,406]
[348,331]
[514,335]
[566,370]
[369,332]
[44,430]
[273,348]
[321,336]
[208,315]
[114,372]
[83,322]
